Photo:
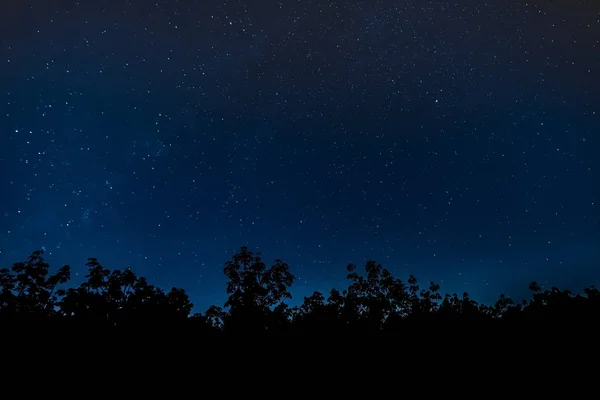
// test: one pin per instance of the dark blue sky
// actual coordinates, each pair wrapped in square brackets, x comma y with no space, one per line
[455,141]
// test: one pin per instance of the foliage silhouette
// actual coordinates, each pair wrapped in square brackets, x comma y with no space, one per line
[374,302]
[27,291]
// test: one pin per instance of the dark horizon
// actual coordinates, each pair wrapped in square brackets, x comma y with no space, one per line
[575,285]
[373,302]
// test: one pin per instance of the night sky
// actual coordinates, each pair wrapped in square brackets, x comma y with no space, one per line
[457,141]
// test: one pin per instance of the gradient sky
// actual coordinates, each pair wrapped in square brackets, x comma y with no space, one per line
[457,141]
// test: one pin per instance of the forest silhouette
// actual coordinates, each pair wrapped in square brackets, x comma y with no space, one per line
[374,302]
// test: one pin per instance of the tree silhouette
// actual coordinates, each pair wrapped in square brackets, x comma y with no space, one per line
[27,291]
[374,302]
[119,297]
[371,300]
[255,291]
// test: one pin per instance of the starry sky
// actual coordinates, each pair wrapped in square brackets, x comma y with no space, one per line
[457,141]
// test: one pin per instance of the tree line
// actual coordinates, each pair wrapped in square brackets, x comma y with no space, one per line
[374,302]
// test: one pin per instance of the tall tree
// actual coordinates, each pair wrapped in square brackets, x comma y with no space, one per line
[254,290]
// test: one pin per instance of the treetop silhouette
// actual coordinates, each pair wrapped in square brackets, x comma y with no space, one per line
[373,302]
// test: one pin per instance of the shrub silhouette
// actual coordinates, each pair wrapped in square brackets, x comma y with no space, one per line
[374,301]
